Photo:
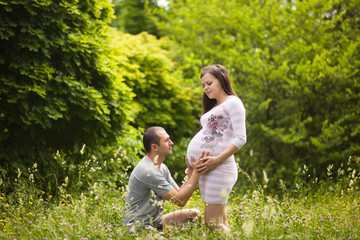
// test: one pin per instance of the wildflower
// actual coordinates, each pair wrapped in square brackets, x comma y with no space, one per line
[31,177]
[203,235]
[248,227]
[30,222]
[66,181]
[60,230]
[156,158]
[266,180]
[45,238]
[223,193]
[82,149]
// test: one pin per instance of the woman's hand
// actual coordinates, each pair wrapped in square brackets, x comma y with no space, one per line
[207,164]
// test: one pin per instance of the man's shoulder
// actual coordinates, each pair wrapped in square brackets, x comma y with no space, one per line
[164,168]
[144,168]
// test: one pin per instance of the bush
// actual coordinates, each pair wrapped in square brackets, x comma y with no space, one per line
[59,86]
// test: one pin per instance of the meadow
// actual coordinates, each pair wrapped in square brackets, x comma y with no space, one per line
[316,210]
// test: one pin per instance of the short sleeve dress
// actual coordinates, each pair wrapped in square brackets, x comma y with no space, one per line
[224,124]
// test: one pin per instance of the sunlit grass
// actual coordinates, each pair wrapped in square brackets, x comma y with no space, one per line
[331,211]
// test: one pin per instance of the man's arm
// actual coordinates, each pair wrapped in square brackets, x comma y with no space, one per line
[180,196]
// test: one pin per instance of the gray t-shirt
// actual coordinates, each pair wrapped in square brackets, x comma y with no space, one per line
[143,200]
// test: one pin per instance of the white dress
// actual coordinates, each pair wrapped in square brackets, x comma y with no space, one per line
[224,124]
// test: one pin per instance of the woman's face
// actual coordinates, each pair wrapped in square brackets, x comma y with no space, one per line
[212,86]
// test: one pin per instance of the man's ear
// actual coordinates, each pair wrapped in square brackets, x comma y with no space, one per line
[154,147]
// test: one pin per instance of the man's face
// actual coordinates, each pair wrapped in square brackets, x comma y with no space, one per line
[165,147]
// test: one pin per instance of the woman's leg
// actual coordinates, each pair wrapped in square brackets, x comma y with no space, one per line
[181,216]
[215,217]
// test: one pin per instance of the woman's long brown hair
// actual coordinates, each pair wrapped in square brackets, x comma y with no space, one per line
[221,74]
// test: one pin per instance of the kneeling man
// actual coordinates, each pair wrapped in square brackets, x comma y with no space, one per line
[151,183]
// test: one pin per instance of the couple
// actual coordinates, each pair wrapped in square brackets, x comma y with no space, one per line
[210,161]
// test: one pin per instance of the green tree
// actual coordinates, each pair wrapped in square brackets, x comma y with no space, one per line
[59,85]
[133,16]
[161,96]
[295,64]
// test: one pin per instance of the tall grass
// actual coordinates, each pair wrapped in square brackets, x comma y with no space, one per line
[312,209]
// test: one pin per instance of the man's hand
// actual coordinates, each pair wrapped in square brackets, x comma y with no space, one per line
[190,168]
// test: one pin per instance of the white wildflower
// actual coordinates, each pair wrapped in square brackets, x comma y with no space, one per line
[223,193]
[82,149]
[19,173]
[117,151]
[353,174]
[248,227]
[266,180]
[156,158]
[31,177]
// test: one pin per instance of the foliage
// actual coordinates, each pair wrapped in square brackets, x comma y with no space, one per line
[295,65]
[329,212]
[132,16]
[59,83]
[176,161]
[161,97]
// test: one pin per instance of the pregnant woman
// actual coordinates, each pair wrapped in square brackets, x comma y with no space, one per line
[223,133]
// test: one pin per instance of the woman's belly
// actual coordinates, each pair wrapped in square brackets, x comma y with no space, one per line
[198,144]
[203,142]
[194,148]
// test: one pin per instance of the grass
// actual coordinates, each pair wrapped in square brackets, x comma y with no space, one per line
[329,211]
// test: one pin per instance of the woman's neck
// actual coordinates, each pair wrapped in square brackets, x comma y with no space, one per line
[222,99]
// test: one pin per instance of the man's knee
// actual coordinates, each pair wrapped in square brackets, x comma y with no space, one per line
[195,214]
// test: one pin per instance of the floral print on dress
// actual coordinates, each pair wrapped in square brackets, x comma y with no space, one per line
[214,129]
